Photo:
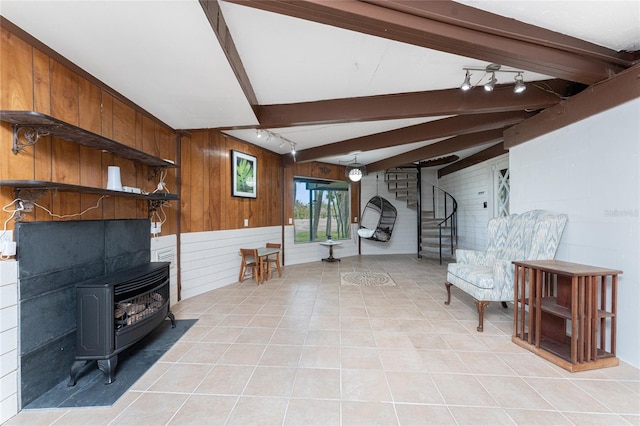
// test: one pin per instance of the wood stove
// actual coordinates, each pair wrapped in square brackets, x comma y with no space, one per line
[117,310]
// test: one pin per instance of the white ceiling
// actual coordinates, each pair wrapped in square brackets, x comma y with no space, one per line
[164,56]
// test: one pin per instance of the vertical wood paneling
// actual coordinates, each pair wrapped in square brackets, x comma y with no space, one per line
[106,130]
[16,73]
[90,159]
[65,155]
[197,182]
[209,174]
[31,80]
[42,150]
[185,187]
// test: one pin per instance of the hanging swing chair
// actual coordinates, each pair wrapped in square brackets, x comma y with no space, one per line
[377,220]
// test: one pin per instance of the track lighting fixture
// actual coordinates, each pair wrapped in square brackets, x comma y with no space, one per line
[270,136]
[491,70]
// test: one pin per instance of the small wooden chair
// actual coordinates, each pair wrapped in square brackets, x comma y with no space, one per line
[249,262]
[273,259]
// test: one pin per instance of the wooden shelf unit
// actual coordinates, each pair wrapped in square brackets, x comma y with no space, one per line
[562,311]
[33,125]
[30,126]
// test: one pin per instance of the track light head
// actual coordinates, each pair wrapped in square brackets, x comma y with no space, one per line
[492,83]
[466,85]
[520,86]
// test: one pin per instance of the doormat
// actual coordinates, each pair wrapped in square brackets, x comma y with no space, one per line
[366,279]
[90,389]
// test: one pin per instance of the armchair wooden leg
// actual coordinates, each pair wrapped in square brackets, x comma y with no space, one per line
[480,305]
[448,286]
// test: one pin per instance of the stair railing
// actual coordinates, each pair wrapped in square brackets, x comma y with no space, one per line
[449,209]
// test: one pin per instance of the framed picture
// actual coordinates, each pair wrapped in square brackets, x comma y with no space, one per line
[244,171]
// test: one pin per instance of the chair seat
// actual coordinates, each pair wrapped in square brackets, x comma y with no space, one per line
[475,275]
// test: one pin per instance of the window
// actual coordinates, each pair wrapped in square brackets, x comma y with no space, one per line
[502,188]
[321,210]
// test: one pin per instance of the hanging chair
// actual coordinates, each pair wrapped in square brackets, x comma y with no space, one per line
[377,220]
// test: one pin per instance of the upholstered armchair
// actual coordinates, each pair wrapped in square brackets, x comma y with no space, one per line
[488,275]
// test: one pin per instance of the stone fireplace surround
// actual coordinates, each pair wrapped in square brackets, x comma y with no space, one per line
[52,258]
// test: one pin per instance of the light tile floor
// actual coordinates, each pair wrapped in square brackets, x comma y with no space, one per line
[304,350]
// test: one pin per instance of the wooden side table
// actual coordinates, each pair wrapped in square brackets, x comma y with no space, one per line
[570,307]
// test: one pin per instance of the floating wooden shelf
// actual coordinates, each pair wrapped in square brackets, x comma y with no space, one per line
[33,125]
[39,185]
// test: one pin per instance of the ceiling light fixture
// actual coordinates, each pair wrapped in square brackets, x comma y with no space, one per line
[354,171]
[274,136]
[491,70]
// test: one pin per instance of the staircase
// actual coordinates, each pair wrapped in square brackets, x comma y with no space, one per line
[439,233]
[437,213]
[403,182]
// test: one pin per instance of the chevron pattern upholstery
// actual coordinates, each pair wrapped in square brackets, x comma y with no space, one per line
[488,275]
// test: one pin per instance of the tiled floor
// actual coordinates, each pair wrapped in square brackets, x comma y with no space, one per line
[303,350]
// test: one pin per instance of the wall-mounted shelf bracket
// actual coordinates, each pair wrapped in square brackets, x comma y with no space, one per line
[30,135]
[155,171]
[154,205]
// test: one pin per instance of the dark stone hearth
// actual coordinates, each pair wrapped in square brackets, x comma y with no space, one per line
[53,257]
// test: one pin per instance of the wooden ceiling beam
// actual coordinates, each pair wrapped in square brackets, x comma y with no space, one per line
[458,125]
[484,155]
[216,20]
[438,149]
[539,95]
[464,16]
[608,94]
[546,55]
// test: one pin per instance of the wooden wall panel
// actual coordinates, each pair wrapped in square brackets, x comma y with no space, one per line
[16,72]
[90,159]
[32,80]
[185,185]
[207,203]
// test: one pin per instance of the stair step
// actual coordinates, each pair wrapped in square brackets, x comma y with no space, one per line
[410,197]
[445,247]
[436,254]
[402,180]
[431,222]
[400,170]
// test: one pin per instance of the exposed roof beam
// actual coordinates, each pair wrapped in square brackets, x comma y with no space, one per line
[216,20]
[594,99]
[484,155]
[438,149]
[464,16]
[539,95]
[545,56]
[458,125]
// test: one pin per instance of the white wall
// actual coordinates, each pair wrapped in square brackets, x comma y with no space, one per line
[8,339]
[211,260]
[404,237]
[164,249]
[472,187]
[589,170]
[296,253]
